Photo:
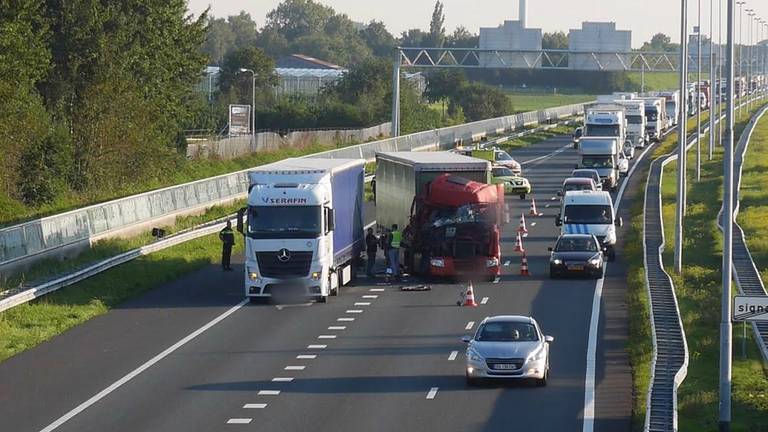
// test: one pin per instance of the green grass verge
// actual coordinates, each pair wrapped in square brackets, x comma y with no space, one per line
[524,102]
[698,292]
[525,141]
[658,81]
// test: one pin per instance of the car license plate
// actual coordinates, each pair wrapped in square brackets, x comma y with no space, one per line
[504,366]
[575,267]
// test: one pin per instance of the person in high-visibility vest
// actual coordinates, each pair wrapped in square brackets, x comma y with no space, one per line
[395,237]
[227,237]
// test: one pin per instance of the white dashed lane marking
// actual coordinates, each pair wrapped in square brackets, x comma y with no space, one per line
[327,337]
[268,392]
[506,263]
[306,356]
[255,406]
[345,319]
[484,300]
[354,311]
[453,355]
[469,325]
[317,346]
[370,296]
[533,224]
[295,368]
[376,290]
[432,393]
[362,303]
[282,379]
[239,421]
[337,328]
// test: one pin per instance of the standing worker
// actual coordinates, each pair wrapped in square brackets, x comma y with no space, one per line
[227,237]
[395,237]
[371,246]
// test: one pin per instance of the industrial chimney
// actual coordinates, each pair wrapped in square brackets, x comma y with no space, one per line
[523,13]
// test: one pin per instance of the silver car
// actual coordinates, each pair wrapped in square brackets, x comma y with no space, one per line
[508,347]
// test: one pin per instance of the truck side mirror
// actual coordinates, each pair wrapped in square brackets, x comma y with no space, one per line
[619,221]
[330,217]
[549,249]
[559,193]
[240,214]
[558,221]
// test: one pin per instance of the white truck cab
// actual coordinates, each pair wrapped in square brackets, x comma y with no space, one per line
[636,124]
[590,212]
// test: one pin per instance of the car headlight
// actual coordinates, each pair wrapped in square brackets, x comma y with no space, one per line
[610,237]
[474,356]
[316,276]
[437,262]
[594,261]
[537,355]
[493,262]
[557,261]
[253,275]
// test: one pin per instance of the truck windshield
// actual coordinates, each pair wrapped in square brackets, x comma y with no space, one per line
[635,119]
[602,130]
[597,162]
[503,156]
[587,214]
[284,222]
[651,115]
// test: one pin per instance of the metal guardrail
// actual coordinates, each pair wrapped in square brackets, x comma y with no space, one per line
[12,298]
[745,272]
[670,348]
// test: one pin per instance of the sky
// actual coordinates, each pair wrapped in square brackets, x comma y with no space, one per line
[643,17]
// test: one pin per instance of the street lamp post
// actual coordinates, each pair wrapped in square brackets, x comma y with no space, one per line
[721,81]
[682,132]
[253,103]
[741,19]
[750,18]
[725,305]
[712,89]
[698,93]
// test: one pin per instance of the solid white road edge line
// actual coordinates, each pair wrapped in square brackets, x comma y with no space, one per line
[133,374]
[432,393]
[589,378]
[453,355]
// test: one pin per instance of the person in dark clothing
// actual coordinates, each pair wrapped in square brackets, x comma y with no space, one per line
[371,246]
[227,237]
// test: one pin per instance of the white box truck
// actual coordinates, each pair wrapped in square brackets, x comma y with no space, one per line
[654,117]
[671,106]
[636,124]
[606,120]
[590,212]
[601,154]
[304,227]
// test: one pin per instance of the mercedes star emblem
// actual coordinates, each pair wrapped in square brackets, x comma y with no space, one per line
[283,255]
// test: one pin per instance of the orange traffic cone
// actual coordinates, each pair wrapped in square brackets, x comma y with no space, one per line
[469,300]
[524,266]
[521,228]
[519,244]
[534,211]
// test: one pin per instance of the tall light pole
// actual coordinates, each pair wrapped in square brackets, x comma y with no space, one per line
[698,92]
[721,82]
[741,19]
[253,103]
[727,270]
[682,132]
[712,78]
[750,18]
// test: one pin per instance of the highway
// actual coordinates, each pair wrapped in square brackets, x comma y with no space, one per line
[193,356]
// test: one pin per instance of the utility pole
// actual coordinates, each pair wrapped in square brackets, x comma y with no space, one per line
[253,103]
[698,93]
[750,18]
[682,132]
[713,119]
[727,270]
[721,81]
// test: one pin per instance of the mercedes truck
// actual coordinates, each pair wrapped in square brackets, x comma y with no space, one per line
[303,227]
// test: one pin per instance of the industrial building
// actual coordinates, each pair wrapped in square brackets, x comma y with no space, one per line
[593,38]
[512,35]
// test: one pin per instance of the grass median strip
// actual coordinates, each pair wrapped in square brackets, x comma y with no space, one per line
[698,290]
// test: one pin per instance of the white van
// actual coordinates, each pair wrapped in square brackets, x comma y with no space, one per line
[590,212]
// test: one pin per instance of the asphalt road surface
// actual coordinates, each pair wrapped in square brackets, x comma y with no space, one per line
[193,356]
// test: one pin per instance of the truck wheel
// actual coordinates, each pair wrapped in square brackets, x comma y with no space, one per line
[322,299]
[522,196]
